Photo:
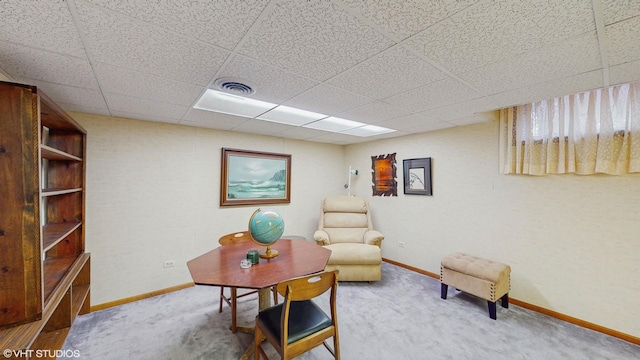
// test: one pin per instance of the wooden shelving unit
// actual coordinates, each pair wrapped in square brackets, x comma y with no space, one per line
[46,271]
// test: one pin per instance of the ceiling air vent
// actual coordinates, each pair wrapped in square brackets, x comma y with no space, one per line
[234,86]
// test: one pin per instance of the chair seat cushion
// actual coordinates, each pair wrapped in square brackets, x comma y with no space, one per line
[309,319]
[354,254]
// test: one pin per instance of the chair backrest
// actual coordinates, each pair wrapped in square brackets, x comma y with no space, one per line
[304,289]
[235,238]
[345,218]
[308,287]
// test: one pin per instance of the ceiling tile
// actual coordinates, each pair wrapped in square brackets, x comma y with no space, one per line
[623,40]
[338,138]
[211,120]
[474,119]
[438,94]
[409,122]
[222,23]
[373,113]
[484,33]
[327,100]
[406,18]
[146,109]
[623,73]
[549,90]
[302,133]
[70,108]
[124,42]
[70,95]
[461,110]
[25,62]
[40,24]
[373,61]
[431,127]
[313,38]
[261,127]
[128,82]
[391,72]
[540,65]
[144,117]
[271,84]
[617,10]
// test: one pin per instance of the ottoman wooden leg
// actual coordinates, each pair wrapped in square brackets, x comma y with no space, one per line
[492,309]
[443,290]
[504,300]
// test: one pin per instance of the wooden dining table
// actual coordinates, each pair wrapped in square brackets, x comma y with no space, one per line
[221,267]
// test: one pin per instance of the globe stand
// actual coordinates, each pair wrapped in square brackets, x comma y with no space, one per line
[268,254]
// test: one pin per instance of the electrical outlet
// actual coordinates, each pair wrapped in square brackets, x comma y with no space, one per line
[401,244]
[169,263]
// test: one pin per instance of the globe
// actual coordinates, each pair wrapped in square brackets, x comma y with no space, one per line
[265,228]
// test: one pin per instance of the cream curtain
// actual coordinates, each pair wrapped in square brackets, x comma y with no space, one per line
[596,131]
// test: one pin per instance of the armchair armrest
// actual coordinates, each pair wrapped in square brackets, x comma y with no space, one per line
[373,237]
[321,237]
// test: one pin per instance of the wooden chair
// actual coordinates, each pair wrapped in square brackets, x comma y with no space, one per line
[232,300]
[298,324]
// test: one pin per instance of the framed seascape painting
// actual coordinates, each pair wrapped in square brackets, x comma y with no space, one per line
[252,177]
[417,176]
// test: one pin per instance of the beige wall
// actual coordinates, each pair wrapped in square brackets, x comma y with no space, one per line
[153,195]
[572,241]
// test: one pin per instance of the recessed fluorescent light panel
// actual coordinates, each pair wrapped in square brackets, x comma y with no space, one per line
[367,130]
[231,104]
[292,116]
[221,102]
[334,124]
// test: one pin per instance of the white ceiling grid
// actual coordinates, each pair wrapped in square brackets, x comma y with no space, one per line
[412,66]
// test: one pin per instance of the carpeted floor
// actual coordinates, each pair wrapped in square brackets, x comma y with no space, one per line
[400,317]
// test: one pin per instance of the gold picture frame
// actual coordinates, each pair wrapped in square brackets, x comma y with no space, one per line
[254,178]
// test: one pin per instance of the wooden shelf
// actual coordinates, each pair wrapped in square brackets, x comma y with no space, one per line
[55,192]
[46,273]
[49,153]
[29,335]
[54,270]
[51,341]
[79,294]
[52,233]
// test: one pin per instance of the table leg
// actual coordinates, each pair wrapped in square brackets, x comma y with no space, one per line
[264,301]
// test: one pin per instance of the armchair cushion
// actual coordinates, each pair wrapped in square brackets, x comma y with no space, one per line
[354,254]
[346,235]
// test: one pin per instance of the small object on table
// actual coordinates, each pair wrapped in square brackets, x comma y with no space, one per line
[245,263]
[252,255]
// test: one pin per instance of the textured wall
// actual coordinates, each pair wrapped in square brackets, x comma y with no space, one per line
[153,195]
[572,241]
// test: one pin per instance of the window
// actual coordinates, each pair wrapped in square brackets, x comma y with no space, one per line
[596,131]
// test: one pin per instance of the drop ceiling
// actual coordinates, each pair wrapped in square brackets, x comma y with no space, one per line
[412,66]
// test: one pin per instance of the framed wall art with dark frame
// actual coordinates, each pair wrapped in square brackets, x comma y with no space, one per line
[384,175]
[417,176]
[253,177]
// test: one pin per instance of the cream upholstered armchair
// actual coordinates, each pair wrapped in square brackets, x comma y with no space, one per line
[345,228]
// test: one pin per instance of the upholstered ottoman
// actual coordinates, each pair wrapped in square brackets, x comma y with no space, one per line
[355,261]
[487,279]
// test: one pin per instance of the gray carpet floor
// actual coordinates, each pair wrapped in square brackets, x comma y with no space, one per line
[400,317]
